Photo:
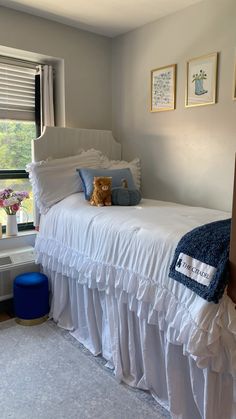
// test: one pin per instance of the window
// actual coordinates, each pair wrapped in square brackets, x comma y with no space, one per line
[17,129]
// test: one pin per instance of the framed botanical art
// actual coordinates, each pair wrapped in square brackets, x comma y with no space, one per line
[201,81]
[163,88]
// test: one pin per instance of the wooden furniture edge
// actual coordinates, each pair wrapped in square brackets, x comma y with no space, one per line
[232,253]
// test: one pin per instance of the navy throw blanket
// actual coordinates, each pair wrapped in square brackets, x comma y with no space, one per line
[201,260]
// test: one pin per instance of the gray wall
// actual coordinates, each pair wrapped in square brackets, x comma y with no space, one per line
[187,154]
[87,63]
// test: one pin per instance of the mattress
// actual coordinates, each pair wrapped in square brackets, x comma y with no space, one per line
[129,250]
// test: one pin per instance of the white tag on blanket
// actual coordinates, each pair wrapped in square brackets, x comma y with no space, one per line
[195,269]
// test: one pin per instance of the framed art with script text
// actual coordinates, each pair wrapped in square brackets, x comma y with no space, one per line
[163,88]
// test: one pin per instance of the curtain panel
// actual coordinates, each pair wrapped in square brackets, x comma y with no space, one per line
[44,98]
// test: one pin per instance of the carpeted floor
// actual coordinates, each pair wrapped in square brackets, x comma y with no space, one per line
[47,374]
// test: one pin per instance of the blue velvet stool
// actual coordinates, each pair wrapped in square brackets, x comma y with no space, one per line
[31,298]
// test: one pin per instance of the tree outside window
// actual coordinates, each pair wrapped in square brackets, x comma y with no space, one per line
[15,153]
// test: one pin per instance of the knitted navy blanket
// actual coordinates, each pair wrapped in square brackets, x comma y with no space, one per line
[201,260]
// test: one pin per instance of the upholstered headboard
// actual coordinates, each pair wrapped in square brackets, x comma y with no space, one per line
[56,142]
[59,142]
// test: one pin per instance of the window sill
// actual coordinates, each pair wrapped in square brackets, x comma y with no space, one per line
[20,234]
[24,238]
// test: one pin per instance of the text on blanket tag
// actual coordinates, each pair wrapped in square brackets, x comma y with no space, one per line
[195,269]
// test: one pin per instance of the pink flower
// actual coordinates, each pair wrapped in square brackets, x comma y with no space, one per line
[11,201]
[15,207]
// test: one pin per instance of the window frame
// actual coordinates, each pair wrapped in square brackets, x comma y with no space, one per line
[16,113]
[16,174]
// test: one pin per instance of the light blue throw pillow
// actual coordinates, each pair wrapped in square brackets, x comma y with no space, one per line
[117,176]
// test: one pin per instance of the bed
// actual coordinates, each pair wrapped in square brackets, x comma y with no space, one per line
[108,271]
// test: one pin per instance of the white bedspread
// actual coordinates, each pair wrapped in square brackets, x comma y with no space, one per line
[129,250]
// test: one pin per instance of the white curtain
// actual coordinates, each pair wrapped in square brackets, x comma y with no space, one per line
[44,112]
[47,94]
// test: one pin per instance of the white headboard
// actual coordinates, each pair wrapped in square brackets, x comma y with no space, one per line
[59,142]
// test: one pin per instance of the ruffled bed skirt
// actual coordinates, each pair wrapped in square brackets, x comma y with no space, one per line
[142,354]
[157,338]
[207,334]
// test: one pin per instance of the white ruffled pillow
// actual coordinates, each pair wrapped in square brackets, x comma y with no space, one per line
[134,166]
[54,179]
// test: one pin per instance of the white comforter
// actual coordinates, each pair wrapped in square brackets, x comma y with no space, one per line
[129,250]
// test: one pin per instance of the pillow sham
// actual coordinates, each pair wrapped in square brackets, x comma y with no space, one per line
[134,166]
[54,179]
[117,176]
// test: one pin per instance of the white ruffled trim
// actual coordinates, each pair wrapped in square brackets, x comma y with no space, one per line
[214,348]
[90,158]
[35,188]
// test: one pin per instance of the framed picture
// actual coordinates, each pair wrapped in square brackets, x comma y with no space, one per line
[201,81]
[163,88]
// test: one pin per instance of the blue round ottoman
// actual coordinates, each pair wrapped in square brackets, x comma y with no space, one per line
[31,298]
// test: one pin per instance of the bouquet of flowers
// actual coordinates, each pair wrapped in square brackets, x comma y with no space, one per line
[11,201]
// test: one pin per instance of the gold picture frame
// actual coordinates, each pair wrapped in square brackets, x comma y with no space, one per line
[201,80]
[163,88]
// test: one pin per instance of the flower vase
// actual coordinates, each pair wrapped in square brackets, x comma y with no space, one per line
[11,229]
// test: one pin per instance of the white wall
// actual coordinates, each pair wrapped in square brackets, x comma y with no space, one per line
[187,154]
[87,63]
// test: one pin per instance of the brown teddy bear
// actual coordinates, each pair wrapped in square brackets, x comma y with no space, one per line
[101,191]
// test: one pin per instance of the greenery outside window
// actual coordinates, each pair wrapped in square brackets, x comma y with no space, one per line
[15,153]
